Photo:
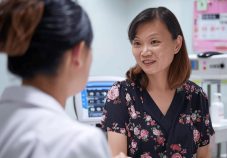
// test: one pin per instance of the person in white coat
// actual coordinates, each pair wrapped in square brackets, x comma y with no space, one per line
[48,45]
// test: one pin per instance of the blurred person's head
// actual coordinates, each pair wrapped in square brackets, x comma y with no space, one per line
[47,38]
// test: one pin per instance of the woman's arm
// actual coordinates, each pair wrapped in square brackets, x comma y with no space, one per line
[117,143]
[204,152]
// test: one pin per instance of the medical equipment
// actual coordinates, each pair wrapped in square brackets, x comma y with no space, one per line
[217,109]
[90,102]
[213,67]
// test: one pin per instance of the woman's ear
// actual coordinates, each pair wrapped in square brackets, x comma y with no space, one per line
[178,44]
[78,54]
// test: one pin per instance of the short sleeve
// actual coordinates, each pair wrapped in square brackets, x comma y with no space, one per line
[204,125]
[115,113]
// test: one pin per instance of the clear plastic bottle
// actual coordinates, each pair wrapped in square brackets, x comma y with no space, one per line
[217,109]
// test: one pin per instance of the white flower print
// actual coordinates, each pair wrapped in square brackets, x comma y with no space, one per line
[134,144]
[193,116]
[188,119]
[133,112]
[136,131]
[113,93]
[147,118]
[128,98]
[156,132]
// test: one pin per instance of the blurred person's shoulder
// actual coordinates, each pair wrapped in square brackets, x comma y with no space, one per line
[78,139]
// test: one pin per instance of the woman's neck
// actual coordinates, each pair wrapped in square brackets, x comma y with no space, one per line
[158,82]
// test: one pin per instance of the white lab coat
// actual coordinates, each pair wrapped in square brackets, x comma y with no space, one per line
[34,125]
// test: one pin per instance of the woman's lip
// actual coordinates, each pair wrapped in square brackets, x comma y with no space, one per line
[148,61]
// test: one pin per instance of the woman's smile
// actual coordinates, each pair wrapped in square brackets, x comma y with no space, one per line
[148,62]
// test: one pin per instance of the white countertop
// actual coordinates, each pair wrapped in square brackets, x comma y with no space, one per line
[220,131]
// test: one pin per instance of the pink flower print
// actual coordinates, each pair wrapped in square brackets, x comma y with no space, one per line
[136,131]
[187,87]
[176,155]
[127,97]
[181,121]
[175,147]
[152,122]
[196,135]
[145,155]
[134,144]
[113,93]
[144,134]
[156,132]
[122,130]
[160,140]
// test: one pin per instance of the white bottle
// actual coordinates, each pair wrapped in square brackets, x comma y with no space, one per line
[217,109]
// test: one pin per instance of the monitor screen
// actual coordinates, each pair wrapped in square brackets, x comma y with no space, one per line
[90,102]
[93,97]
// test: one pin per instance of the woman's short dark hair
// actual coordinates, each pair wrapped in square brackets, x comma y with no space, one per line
[180,68]
[43,33]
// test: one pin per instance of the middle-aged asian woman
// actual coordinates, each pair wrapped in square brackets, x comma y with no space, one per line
[157,112]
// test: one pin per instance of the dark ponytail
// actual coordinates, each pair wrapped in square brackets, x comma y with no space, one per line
[63,25]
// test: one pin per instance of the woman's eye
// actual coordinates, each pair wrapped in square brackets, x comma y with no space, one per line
[155,42]
[136,44]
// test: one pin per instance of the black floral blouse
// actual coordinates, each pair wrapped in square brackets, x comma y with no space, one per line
[129,110]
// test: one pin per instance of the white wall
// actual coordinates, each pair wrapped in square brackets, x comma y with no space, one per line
[111,48]
[6,78]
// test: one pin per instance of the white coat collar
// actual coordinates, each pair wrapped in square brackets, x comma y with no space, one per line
[31,95]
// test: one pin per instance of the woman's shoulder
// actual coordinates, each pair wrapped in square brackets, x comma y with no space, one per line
[126,84]
[194,93]
[191,87]
[125,87]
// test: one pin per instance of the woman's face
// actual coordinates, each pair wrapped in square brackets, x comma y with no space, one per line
[153,47]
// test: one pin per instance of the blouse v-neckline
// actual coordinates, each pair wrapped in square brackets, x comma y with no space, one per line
[154,106]
[153,110]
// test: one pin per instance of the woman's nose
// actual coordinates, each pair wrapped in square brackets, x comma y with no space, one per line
[146,51]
